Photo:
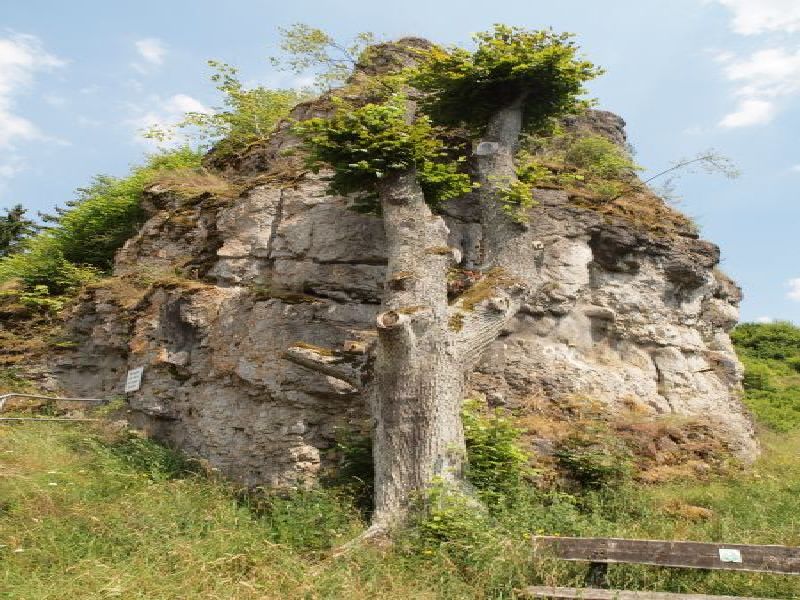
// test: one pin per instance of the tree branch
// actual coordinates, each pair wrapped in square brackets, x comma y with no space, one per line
[328,362]
[480,314]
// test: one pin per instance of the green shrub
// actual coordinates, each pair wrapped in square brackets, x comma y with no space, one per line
[42,263]
[85,236]
[770,353]
[464,87]
[599,157]
[594,458]
[757,375]
[496,464]
[108,212]
[780,340]
[365,144]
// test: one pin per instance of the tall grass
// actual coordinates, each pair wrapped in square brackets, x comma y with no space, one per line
[88,513]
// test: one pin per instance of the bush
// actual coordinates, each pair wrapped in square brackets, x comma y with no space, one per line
[757,376]
[466,87]
[599,157]
[42,263]
[365,144]
[780,340]
[594,459]
[770,353]
[85,236]
[496,465]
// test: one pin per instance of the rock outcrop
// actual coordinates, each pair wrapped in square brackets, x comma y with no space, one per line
[628,308]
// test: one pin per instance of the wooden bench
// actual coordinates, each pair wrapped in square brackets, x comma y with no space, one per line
[601,552]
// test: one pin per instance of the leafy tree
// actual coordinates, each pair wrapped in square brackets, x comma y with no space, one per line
[308,48]
[248,115]
[14,228]
[83,236]
[542,68]
[514,81]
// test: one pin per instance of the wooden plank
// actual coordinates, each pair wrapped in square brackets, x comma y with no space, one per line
[598,594]
[691,555]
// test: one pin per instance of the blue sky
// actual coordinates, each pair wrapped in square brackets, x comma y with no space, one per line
[79,79]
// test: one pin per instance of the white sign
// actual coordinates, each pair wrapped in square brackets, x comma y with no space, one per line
[730,555]
[134,380]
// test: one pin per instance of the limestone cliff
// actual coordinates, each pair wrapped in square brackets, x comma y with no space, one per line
[627,309]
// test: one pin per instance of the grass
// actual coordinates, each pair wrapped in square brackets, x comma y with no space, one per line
[91,513]
[94,511]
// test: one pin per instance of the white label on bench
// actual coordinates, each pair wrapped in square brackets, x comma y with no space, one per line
[730,555]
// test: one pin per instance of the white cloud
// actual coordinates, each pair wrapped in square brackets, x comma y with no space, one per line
[768,77]
[763,80]
[765,320]
[761,16]
[21,57]
[794,289]
[749,112]
[163,114]
[152,50]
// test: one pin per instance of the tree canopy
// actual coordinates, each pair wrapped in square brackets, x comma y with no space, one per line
[466,87]
[365,144]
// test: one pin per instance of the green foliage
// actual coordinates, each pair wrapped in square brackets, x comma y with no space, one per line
[42,263]
[496,464]
[591,162]
[594,458]
[37,299]
[312,49]
[779,341]
[84,237]
[598,157]
[366,144]
[248,115]
[516,200]
[770,353]
[757,375]
[14,228]
[451,519]
[509,63]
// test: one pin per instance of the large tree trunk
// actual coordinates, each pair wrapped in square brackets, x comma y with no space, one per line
[493,167]
[426,348]
[418,383]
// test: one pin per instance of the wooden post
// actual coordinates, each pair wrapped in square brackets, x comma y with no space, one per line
[598,575]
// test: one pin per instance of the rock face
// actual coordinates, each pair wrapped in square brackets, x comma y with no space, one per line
[623,312]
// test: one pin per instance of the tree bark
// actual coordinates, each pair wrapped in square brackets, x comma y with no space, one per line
[418,384]
[425,347]
[494,170]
